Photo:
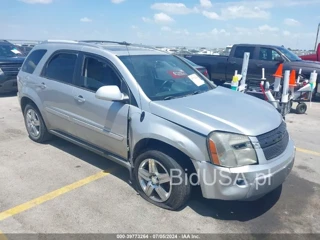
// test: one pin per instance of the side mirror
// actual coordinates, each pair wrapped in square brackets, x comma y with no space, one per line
[111,93]
[279,59]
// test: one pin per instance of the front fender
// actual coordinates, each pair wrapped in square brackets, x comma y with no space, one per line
[189,142]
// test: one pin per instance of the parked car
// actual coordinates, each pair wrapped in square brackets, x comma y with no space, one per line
[201,69]
[118,100]
[312,57]
[24,48]
[11,60]
[222,68]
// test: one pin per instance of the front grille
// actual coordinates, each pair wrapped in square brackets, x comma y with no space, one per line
[275,142]
[10,69]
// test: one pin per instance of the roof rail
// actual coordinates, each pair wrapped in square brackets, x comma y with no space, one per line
[103,41]
[148,47]
[61,41]
[120,43]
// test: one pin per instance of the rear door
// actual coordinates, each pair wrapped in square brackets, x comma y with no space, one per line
[101,123]
[55,87]
[236,59]
[268,59]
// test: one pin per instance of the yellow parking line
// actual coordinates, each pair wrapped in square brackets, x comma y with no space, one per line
[49,196]
[2,236]
[308,151]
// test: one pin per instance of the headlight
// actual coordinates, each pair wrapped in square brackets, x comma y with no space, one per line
[1,72]
[231,150]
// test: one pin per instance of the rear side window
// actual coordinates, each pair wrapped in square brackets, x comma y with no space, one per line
[33,60]
[61,67]
[239,52]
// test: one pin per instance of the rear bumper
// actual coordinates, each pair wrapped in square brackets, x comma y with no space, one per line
[245,183]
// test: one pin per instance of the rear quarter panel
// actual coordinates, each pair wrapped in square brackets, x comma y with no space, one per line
[28,83]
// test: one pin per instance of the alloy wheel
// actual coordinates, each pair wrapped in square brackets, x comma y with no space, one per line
[154,180]
[33,123]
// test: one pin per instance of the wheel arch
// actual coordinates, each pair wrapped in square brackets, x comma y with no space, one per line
[154,144]
[25,101]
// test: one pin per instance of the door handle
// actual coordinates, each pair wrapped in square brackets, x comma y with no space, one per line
[232,62]
[43,86]
[79,98]
[259,64]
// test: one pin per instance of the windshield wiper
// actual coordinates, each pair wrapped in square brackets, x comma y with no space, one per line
[195,92]
[172,97]
[168,97]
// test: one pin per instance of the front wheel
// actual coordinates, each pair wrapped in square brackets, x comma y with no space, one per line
[161,180]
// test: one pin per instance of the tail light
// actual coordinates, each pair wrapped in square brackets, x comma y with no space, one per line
[206,73]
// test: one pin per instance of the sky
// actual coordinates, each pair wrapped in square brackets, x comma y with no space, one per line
[191,23]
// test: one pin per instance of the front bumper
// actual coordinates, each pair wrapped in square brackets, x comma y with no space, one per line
[8,84]
[247,182]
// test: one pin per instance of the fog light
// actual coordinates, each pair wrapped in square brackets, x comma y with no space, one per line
[241,182]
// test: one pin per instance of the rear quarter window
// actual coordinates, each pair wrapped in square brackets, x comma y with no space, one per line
[33,60]
[239,51]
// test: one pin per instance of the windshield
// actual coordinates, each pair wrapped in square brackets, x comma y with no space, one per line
[8,50]
[290,55]
[163,77]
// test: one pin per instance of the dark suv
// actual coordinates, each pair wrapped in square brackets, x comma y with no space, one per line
[11,60]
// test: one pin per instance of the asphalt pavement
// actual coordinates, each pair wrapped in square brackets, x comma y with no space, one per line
[61,188]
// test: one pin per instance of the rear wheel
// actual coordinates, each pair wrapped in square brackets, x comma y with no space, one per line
[35,125]
[155,182]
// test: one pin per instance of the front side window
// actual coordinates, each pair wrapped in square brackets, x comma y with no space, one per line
[268,54]
[97,73]
[163,77]
[32,61]
[61,67]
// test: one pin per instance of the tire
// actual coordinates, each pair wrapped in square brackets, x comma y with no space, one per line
[176,194]
[33,120]
[301,108]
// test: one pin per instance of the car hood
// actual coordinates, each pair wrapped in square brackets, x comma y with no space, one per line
[305,63]
[12,60]
[220,109]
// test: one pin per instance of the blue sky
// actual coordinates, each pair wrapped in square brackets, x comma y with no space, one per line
[215,23]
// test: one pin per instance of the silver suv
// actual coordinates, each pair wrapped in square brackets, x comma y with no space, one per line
[159,117]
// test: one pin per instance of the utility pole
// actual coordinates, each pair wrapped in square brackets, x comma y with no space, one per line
[315,46]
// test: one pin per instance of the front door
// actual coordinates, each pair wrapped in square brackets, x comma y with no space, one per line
[269,60]
[101,123]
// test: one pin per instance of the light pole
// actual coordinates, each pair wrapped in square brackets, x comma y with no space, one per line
[315,46]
